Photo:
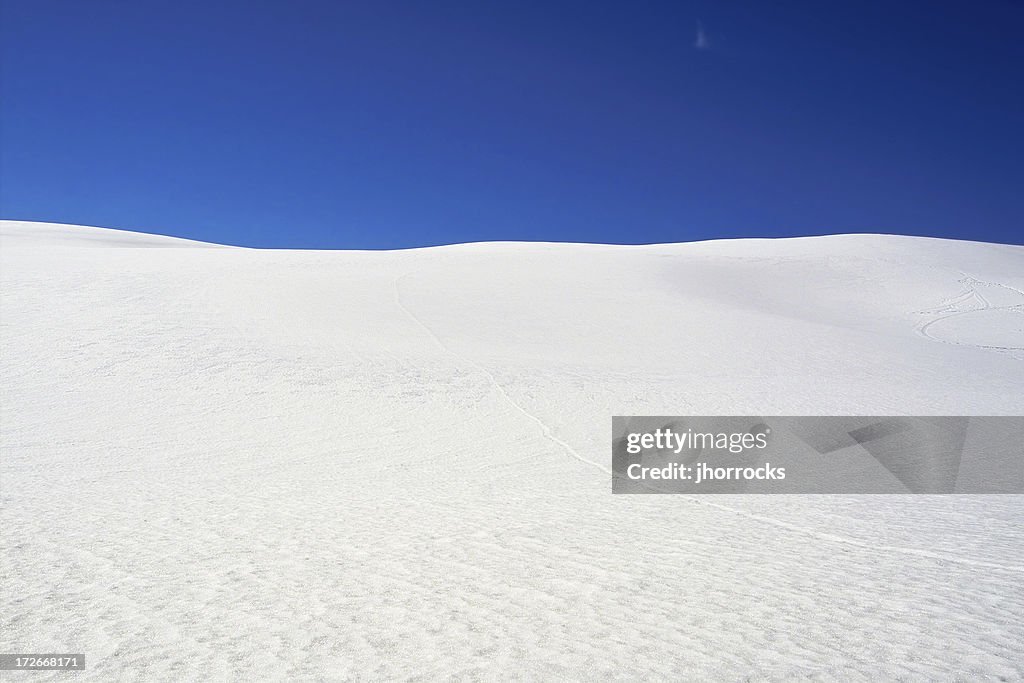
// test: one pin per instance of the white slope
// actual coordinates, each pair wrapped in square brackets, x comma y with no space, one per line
[225,463]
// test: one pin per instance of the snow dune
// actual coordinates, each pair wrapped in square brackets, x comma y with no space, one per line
[225,463]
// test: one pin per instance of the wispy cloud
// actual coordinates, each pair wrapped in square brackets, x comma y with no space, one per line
[701,42]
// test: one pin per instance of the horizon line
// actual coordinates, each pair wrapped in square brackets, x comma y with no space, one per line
[512,241]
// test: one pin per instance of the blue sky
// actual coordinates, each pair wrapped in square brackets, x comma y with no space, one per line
[325,124]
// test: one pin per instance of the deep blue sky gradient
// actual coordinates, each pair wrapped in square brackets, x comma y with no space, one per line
[334,124]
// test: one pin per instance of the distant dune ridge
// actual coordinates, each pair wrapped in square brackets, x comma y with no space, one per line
[218,462]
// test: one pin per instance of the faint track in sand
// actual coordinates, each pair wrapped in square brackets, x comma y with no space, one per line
[835,538]
[544,428]
[845,540]
[960,305]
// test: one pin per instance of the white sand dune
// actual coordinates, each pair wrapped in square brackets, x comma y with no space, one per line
[237,464]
